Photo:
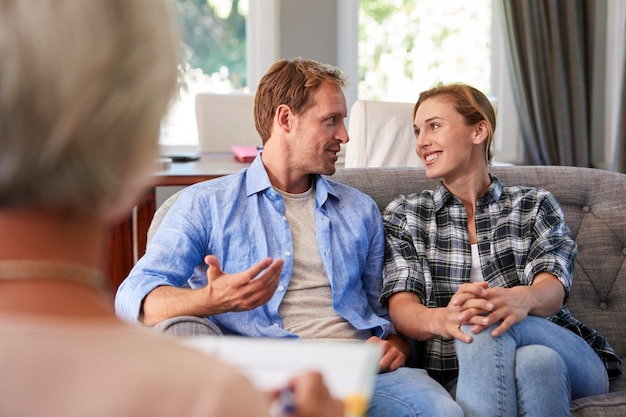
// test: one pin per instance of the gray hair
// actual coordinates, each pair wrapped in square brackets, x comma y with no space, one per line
[83,88]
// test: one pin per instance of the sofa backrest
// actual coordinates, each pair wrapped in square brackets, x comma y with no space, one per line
[593,203]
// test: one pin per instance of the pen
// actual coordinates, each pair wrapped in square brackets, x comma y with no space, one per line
[285,404]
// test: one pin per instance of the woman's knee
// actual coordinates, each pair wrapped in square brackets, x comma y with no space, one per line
[543,384]
[535,363]
[481,343]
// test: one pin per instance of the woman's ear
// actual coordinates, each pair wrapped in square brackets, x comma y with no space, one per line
[481,132]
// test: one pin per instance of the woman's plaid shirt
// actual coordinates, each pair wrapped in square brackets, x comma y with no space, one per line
[520,232]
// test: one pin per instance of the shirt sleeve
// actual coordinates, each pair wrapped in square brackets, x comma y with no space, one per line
[372,280]
[175,251]
[553,249]
[402,269]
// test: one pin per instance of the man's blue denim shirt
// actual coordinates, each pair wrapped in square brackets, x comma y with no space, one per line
[240,219]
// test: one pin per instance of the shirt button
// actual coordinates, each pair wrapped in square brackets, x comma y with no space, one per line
[285,218]
[287,253]
[275,325]
[281,288]
[603,306]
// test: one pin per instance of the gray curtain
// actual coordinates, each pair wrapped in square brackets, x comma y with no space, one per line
[555,53]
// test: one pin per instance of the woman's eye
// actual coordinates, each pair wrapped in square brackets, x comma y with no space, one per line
[434,126]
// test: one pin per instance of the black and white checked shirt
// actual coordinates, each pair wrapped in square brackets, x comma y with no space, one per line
[520,232]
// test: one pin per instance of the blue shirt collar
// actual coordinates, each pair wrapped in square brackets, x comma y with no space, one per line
[258,181]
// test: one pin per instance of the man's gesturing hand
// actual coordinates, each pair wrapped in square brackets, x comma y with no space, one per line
[224,292]
[243,290]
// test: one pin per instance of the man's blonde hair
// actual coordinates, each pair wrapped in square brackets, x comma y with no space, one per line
[290,82]
[83,88]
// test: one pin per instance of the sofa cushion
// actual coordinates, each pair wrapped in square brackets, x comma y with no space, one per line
[608,405]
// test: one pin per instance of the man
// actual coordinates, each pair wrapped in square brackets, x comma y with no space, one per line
[321,244]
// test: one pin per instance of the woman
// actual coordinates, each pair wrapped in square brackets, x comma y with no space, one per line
[473,269]
[83,88]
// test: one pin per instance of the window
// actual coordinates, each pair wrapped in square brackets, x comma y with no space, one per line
[407,46]
[213,36]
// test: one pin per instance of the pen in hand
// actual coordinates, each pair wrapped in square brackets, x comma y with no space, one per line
[306,395]
[284,404]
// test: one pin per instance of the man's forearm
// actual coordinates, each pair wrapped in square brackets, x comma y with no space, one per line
[165,301]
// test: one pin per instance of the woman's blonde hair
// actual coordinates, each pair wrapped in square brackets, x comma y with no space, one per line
[470,103]
[83,88]
[290,82]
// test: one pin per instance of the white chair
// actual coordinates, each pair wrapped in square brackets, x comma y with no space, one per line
[381,134]
[224,121]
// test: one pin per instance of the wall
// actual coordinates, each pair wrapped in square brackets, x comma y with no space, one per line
[308,29]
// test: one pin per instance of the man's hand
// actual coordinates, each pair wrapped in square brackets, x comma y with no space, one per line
[241,291]
[395,352]
[223,293]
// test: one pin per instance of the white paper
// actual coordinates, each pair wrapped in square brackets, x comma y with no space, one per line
[348,368]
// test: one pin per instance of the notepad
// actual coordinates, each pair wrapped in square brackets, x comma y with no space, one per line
[349,368]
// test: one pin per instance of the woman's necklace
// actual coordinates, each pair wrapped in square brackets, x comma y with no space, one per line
[54,270]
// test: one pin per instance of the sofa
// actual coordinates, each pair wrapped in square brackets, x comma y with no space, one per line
[593,203]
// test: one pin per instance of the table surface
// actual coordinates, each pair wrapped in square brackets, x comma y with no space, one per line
[210,165]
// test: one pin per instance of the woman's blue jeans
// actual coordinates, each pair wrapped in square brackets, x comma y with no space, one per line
[535,369]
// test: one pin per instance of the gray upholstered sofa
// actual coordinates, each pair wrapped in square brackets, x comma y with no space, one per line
[595,211]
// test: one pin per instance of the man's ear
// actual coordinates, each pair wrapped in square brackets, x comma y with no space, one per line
[284,117]
[481,132]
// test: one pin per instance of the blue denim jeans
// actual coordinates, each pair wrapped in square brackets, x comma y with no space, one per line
[410,392]
[535,369]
